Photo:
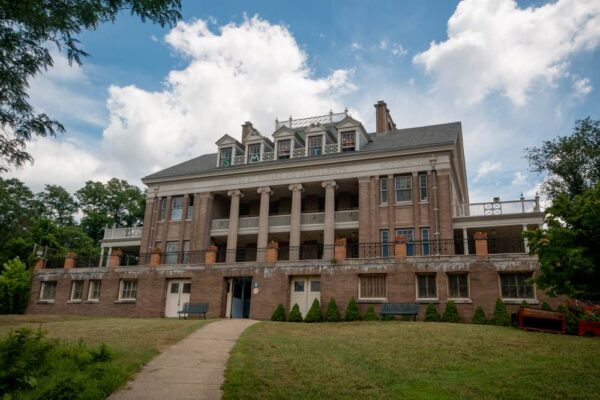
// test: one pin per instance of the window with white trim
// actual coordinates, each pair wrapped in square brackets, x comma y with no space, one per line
[383,190]
[458,286]
[284,149]
[386,248]
[190,207]
[423,193]
[425,243]
[185,259]
[76,290]
[372,287]
[48,290]
[426,286]
[172,253]
[253,153]
[163,209]
[225,157]
[128,290]
[315,145]
[516,285]
[94,290]
[348,141]
[176,208]
[403,185]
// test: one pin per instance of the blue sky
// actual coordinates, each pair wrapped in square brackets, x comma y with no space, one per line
[514,73]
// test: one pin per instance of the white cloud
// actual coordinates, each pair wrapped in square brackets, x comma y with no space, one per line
[383,44]
[398,50]
[495,46]
[486,168]
[356,46]
[582,87]
[520,179]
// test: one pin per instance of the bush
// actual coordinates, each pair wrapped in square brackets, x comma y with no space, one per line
[295,314]
[525,304]
[451,313]
[500,317]
[370,315]
[352,311]
[15,282]
[333,312]
[279,313]
[314,314]
[431,313]
[479,317]
[546,307]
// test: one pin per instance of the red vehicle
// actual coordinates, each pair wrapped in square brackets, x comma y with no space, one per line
[589,328]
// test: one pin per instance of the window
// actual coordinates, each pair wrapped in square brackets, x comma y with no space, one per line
[403,188]
[185,259]
[172,253]
[423,196]
[348,141]
[94,291]
[128,290]
[409,233]
[176,208]
[315,286]
[458,286]
[158,244]
[225,158]
[284,149]
[425,243]
[163,209]
[48,291]
[371,287]
[190,209]
[426,286]
[298,286]
[383,190]
[315,144]
[254,153]
[384,236]
[187,288]
[516,286]
[76,290]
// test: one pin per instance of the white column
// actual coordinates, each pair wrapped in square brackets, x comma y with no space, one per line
[108,256]
[329,223]
[234,216]
[295,220]
[465,241]
[263,223]
[525,242]
[101,256]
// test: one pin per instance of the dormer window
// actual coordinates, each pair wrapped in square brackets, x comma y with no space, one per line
[226,157]
[348,141]
[284,148]
[254,153]
[315,145]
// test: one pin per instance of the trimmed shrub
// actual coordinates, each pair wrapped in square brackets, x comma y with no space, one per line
[370,315]
[314,314]
[500,317]
[352,311]
[479,317]
[333,312]
[279,313]
[546,307]
[451,313]
[525,304]
[295,314]
[431,313]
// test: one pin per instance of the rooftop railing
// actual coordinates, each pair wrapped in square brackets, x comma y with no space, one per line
[497,207]
[304,122]
[123,233]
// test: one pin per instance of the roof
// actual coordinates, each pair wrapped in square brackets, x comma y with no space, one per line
[397,139]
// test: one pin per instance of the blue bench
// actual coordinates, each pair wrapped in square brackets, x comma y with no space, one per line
[193,308]
[400,309]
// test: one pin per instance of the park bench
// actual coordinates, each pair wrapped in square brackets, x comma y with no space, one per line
[400,309]
[193,308]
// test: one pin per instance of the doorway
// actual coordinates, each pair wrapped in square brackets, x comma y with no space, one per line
[178,293]
[304,290]
[239,293]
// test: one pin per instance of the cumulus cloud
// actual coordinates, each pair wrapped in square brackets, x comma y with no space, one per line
[520,179]
[398,50]
[486,168]
[582,87]
[495,46]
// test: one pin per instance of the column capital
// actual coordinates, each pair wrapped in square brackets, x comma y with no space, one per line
[235,193]
[264,190]
[364,179]
[208,195]
[328,184]
[296,187]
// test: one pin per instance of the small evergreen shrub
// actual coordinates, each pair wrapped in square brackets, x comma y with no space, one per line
[333,312]
[500,317]
[546,307]
[370,315]
[314,314]
[352,311]
[451,313]
[525,304]
[279,313]
[431,313]
[295,314]
[479,317]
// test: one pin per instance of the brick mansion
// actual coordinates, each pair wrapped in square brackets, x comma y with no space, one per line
[321,209]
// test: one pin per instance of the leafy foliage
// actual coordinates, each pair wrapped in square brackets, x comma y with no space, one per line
[333,312]
[479,316]
[295,314]
[27,30]
[352,311]
[15,281]
[500,317]
[431,313]
[451,313]
[546,307]
[314,314]
[278,313]
[57,205]
[370,314]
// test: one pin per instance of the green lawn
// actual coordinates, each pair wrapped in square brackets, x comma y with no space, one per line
[412,360]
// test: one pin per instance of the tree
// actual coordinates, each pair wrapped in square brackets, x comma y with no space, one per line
[370,314]
[57,205]
[431,313]
[28,29]
[314,314]
[568,249]
[333,312]
[352,311]
[451,313]
[572,163]
[279,313]
[479,316]
[15,281]
[500,316]
[295,314]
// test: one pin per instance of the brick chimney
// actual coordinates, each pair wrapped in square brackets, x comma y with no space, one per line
[247,130]
[383,119]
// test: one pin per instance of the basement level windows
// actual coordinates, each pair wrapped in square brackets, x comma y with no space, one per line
[458,286]
[94,291]
[127,289]
[225,157]
[372,287]
[426,287]
[48,291]
[284,149]
[76,290]
[516,285]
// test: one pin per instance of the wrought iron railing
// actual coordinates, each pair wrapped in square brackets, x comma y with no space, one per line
[304,122]
[497,207]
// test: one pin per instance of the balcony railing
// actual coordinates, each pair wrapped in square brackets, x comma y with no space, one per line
[123,233]
[497,207]
[304,122]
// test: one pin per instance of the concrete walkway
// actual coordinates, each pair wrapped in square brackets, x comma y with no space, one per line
[191,369]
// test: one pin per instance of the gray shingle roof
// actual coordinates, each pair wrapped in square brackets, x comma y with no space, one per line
[395,140]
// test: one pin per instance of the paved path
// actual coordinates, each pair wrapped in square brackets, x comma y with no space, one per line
[191,369]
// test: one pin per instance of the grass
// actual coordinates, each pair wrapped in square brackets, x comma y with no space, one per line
[132,341]
[414,360]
